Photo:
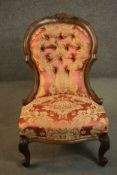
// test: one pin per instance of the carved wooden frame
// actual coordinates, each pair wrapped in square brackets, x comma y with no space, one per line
[61,18]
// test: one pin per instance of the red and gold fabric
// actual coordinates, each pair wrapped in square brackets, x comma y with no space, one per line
[63,117]
[62,108]
[60,52]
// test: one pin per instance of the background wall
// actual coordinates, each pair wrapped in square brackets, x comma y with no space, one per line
[16,15]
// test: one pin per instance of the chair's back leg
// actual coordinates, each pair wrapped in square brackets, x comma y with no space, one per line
[23,148]
[104,146]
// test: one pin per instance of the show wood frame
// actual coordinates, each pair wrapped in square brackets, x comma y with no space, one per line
[61,18]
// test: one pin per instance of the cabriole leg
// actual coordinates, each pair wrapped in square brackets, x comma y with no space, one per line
[23,148]
[104,146]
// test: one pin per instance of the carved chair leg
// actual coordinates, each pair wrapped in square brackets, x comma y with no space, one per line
[23,148]
[104,146]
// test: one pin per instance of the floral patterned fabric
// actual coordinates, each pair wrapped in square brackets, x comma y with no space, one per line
[62,108]
[63,117]
[60,52]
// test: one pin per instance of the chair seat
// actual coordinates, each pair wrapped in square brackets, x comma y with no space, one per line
[63,117]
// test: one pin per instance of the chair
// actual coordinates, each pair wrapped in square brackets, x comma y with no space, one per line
[62,107]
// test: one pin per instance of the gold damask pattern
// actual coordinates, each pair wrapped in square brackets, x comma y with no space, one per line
[62,109]
[60,52]
[63,117]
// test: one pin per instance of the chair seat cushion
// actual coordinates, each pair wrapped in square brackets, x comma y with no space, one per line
[63,117]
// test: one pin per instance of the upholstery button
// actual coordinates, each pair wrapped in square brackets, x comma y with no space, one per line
[46,36]
[67,47]
[42,48]
[55,70]
[72,36]
[78,48]
[73,57]
[60,58]
[61,36]
[48,58]
[66,69]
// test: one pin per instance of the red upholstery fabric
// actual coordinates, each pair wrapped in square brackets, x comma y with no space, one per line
[60,52]
[62,108]
[63,117]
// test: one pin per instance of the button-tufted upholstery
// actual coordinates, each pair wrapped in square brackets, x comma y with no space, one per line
[60,52]
[62,108]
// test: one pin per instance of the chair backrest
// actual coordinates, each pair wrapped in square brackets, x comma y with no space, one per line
[60,49]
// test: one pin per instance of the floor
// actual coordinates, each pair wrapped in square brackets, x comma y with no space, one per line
[52,159]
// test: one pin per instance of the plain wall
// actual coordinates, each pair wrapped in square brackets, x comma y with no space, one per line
[17,15]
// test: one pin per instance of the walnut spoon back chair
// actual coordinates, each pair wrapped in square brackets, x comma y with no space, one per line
[62,107]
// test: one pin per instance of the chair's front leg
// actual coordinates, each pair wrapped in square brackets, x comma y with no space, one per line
[23,148]
[104,146]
